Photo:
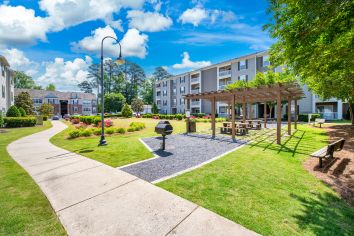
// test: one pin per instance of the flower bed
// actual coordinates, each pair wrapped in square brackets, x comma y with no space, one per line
[86,131]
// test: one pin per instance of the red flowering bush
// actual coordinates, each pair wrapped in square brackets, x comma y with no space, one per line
[107,123]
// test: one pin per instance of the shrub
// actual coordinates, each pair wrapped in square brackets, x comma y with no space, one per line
[22,111]
[110,131]
[1,120]
[13,112]
[179,116]
[127,111]
[46,109]
[23,99]
[96,131]
[120,130]
[136,126]
[74,134]
[14,122]
[45,118]
[85,133]
[75,121]
[131,129]
[199,115]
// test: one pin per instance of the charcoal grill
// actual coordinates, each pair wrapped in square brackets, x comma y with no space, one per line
[164,128]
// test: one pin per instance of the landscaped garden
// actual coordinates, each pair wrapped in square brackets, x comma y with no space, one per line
[264,187]
[24,208]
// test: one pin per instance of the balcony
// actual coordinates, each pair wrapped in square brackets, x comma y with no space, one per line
[224,84]
[195,103]
[224,73]
[194,91]
[195,80]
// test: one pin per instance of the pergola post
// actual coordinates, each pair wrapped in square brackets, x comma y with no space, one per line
[296,111]
[265,114]
[279,118]
[289,116]
[244,112]
[233,116]
[213,115]
[187,118]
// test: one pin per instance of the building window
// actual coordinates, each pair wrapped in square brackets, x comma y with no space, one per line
[243,78]
[164,93]
[266,61]
[87,109]
[3,70]
[164,84]
[242,65]
[76,109]
[51,101]
[222,110]
[164,103]
[182,90]
[174,92]
[182,79]
[37,101]
[158,93]
[3,91]
[181,101]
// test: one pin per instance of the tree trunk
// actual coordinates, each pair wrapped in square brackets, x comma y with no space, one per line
[351,110]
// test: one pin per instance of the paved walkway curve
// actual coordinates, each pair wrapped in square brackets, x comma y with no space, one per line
[91,198]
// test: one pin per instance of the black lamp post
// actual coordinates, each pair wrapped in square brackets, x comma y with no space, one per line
[119,60]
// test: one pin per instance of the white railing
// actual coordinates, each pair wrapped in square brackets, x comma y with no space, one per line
[223,85]
[193,91]
[195,103]
[329,115]
[195,80]
[224,73]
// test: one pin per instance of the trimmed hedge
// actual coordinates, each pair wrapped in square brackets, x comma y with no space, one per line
[14,122]
[13,112]
[22,111]
[165,117]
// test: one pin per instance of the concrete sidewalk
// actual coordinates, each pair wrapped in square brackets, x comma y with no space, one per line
[91,198]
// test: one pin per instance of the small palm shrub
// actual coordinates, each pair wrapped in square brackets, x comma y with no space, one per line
[22,111]
[110,131]
[85,133]
[120,130]
[13,112]
[74,134]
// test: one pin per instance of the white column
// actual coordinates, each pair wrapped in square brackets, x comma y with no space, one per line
[340,109]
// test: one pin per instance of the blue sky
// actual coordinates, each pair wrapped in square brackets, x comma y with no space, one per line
[56,40]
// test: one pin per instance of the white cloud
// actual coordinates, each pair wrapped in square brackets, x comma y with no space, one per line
[187,63]
[193,16]
[148,21]
[65,13]
[19,25]
[65,75]
[134,44]
[18,61]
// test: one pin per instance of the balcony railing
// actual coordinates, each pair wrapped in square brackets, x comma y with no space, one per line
[329,115]
[194,91]
[195,103]
[223,85]
[195,80]
[224,73]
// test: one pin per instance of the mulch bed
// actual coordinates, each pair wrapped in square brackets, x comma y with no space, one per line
[339,172]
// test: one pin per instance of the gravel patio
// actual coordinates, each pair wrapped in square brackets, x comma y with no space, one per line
[183,151]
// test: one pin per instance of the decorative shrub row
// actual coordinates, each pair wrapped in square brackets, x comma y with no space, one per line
[82,132]
[165,117]
[305,117]
[206,120]
[136,126]
[14,122]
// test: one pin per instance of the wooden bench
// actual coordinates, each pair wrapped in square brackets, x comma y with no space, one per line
[327,152]
[319,121]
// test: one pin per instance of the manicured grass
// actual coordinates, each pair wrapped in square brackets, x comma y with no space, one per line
[24,210]
[265,188]
[121,149]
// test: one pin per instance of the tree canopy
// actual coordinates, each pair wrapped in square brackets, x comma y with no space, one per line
[161,73]
[315,40]
[113,102]
[137,105]
[23,81]
[24,100]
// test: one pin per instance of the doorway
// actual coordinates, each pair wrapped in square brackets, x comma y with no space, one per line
[63,107]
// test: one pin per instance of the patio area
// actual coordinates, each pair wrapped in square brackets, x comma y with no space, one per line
[183,152]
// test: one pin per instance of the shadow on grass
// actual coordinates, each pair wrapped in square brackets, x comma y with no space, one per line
[325,214]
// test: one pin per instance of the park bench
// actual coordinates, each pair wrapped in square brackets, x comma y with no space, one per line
[319,121]
[327,152]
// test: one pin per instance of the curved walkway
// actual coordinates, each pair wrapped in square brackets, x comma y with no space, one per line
[91,198]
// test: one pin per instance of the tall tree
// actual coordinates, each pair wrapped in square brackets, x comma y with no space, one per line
[161,73]
[24,100]
[50,87]
[146,91]
[86,86]
[23,81]
[137,105]
[315,39]
[113,102]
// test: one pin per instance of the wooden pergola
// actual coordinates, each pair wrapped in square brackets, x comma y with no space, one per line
[271,93]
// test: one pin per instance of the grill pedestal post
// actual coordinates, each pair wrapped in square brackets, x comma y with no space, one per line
[163,142]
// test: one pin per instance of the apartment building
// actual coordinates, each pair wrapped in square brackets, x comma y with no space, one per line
[7,85]
[168,93]
[64,102]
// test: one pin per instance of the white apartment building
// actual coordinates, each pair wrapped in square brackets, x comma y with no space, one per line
[168,93]
[7,85]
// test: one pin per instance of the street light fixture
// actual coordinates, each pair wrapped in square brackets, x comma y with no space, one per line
[119,61]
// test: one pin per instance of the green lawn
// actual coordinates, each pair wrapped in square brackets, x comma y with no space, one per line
[121,149]
[24,209]
[264,187]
